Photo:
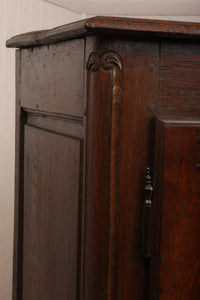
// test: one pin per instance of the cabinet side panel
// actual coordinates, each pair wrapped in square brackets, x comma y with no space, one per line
[51,215]
[52,78]
[177,246]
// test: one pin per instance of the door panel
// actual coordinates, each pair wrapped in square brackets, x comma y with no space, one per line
[51,212]
[176,264]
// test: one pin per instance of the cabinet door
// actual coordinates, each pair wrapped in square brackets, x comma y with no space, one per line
[176,247]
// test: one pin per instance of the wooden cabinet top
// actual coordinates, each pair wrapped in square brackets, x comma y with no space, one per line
[108,25]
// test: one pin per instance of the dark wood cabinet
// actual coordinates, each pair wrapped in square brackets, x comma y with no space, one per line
[98,103]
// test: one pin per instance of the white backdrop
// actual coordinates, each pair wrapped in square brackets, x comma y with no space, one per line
[115,7]
[17,16]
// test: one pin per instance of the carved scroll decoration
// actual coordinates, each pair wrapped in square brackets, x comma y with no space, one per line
[111,61]
[107,61]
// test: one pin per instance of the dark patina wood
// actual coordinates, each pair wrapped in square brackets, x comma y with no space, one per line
[108,25]
[98,101]
[179,79]
[177,241]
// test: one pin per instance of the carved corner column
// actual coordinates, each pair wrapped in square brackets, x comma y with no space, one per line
[111,61]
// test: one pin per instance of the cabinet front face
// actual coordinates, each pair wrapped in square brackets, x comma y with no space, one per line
[177,213]
[115,188]
[176,229]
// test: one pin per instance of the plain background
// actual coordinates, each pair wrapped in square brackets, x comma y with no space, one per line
[18,16]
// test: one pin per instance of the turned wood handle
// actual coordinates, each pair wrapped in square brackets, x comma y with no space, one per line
[147,216]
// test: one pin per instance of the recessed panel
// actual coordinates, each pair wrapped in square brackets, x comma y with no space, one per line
[178,169]
[51,215]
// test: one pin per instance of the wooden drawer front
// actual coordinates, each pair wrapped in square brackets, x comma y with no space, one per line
[52,78]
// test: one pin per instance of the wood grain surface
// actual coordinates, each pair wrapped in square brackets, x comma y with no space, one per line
[178,211]
[111,61]
[51,216]
[97,185]
[68,126]
[179,91]
[139,87]
[111,25]
[88,96]
[52,78]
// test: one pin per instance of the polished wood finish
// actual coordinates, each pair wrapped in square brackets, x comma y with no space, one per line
[140,84]
[179,79]
[99,101]
[110,61]
[178,213]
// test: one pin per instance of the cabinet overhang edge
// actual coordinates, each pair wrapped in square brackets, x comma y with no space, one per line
[107,25]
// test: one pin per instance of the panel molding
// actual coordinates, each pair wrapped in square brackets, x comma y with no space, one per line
[66,125]
[69,118]
[164,124]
